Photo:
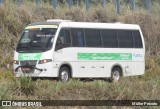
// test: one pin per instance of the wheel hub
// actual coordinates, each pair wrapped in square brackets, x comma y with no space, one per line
[64,76]
[116,76]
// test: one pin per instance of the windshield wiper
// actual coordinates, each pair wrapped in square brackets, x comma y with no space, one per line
[25,47]
[39,47]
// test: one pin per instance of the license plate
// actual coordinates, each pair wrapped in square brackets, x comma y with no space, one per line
[27,70]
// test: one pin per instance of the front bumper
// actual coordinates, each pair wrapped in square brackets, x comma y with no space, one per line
[42,70]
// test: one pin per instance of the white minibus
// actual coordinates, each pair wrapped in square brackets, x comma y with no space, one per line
[66,49]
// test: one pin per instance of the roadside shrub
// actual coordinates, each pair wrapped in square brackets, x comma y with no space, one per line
[43,12]
[24,86]
[6,75]
[98,14]
[74,14]
[5,90]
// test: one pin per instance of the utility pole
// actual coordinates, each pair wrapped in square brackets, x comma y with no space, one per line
[87,6]
[133,6]
[118,7]
[147,6]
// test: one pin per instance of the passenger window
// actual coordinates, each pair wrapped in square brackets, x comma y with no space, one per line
[93,38]
[109,38]
[77,37]
[125,39]
[137,39]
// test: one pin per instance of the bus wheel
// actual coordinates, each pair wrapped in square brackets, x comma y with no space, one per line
[64,74]
[116,74]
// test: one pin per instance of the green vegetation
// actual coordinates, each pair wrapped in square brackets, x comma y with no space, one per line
[13,19]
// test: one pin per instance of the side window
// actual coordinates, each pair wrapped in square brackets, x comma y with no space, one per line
[77,37]
[93,38]
[137,39]
[125,38]
[63,39]
[64,36]
[109,38]
[67,37]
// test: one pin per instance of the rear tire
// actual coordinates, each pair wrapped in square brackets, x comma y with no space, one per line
[64,74]
[116,74]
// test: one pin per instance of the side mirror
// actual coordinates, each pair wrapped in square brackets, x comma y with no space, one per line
[12,44]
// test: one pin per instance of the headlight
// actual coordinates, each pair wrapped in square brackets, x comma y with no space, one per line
[44,61]
[16,62]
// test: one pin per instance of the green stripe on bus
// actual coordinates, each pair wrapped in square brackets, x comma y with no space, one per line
[29,56]
[104,56]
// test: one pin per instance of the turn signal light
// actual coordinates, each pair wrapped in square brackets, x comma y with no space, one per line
[16,62]
[44,61]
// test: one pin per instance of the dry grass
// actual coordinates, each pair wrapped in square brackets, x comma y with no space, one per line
[12,21]
[136,88]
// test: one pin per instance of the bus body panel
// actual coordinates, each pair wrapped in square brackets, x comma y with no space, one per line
[101,68]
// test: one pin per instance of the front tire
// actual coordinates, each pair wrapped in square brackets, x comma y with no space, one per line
[116,74]
[64,74]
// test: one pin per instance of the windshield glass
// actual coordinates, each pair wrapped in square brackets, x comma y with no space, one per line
[36,39]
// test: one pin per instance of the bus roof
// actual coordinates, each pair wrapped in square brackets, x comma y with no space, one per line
[50,22]
[68,23]
[100,25]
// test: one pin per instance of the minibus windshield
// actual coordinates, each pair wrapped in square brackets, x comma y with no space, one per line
[36,40]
